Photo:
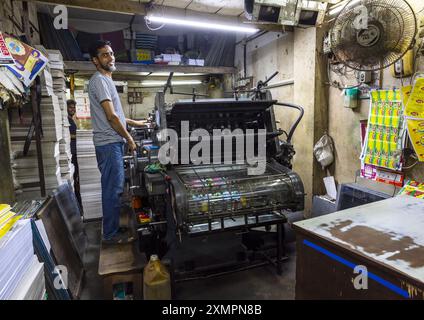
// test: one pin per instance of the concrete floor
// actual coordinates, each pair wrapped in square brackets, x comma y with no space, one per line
[260,283]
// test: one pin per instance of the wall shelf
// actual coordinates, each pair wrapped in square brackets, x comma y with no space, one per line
[86,66]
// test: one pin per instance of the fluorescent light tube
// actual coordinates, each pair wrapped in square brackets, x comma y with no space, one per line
[158,83]
[176,74]
[203,25]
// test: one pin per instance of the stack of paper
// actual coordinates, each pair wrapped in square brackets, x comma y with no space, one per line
[91,193]
[4,208]
[32,285]
[9,81]
[7,219]
[59,88]
[55,135]
[50,111]
[25,167]
[46,82]
[28,208]
[21,275]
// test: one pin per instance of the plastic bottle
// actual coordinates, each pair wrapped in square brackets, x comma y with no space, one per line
[156,280]
[351,98]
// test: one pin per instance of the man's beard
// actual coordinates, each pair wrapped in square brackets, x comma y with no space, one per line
[108,68]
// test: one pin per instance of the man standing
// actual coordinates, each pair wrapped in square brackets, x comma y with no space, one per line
[109,134]
[71,104]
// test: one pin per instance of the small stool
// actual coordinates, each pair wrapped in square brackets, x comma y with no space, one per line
[122,263]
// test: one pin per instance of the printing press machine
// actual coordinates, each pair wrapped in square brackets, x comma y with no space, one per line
[187,209]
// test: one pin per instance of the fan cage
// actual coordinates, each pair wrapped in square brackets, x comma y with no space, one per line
[394,19]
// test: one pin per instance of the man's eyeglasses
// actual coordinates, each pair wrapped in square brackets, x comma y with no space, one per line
[106,54]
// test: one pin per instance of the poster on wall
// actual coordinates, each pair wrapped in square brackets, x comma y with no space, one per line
[414,115]
[5,55]
[416,134]
[414,107]
[83,108]
[29,62]
[384,139]
[406,93]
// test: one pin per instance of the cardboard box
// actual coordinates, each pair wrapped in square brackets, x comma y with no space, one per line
[144,56]
[171,57]
[196,62]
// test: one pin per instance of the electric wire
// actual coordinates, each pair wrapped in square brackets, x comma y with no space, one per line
[154,8]
[337,71]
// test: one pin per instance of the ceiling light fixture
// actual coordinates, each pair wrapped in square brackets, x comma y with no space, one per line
[176,74]
[158,83]
[202,25]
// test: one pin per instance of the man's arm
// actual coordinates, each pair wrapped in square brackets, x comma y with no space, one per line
[113,119]
[136,123]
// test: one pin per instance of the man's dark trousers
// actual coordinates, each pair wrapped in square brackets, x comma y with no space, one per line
[111,166]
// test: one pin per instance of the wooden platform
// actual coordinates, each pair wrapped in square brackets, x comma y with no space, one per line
[122,263]
[119,258]
[122,67]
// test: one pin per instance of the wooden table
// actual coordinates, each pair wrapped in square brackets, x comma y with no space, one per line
[386,237]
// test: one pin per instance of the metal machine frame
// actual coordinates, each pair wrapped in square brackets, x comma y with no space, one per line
[167,192]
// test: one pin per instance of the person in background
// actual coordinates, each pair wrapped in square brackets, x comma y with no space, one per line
[109,134]
[71,105]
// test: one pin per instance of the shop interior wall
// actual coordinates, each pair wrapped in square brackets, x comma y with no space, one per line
[344,124]
[293,55]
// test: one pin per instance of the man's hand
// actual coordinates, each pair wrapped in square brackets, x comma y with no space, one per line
[131,145]
[137,123]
